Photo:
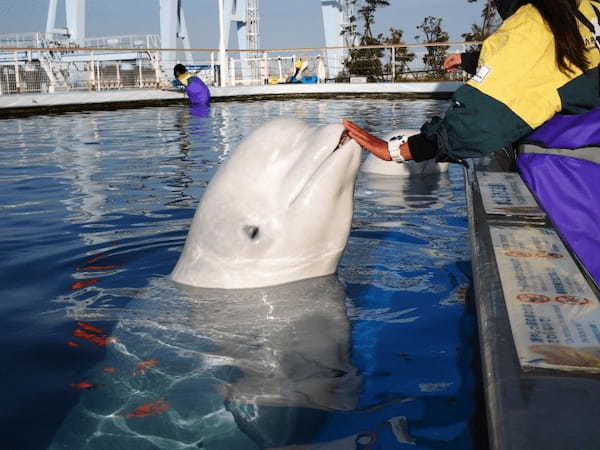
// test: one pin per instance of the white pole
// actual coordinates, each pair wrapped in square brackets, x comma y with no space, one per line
[231,65]
[168,32]
[51,21]
[393,64]
[333,18]
[280,69]
[99,86]
[183,33]
[139,61]
[265,67]
[75,10]
[17,78]
[222,45]
[93,62]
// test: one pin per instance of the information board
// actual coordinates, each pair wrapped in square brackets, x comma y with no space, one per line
[505,193]
[554,313]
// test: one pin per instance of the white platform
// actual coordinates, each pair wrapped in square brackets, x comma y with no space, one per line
[84,98]
[339,88]
[23,101]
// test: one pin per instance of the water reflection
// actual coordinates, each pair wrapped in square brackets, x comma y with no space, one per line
[386,199]
[416,192]
[268,362]
[199,110]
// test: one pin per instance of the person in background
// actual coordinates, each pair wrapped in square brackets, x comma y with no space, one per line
[194,87]
[543,59]
[299,67]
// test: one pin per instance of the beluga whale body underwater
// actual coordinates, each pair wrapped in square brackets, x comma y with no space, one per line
[279,210]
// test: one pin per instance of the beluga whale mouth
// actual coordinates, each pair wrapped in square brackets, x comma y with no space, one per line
[279,210]
[322,161]
[343,139]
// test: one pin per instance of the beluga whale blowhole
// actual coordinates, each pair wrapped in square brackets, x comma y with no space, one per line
[278,210]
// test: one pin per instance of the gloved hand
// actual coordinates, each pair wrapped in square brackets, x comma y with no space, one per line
[373,144]
[452,62]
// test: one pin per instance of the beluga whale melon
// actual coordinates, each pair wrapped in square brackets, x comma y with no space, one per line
[278,210]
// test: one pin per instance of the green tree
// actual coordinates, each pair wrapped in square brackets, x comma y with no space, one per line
[367,11]
[433,33]
[365,61]
[350,31]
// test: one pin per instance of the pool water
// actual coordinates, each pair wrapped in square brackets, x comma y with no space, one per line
[100,350]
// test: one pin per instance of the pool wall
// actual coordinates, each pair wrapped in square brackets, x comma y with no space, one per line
[28,104]
[533,409]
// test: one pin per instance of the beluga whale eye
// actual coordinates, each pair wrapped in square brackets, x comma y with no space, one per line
[251,231]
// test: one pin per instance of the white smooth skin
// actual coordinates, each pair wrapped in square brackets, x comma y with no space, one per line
[378,166]
[290,341]
[278,210]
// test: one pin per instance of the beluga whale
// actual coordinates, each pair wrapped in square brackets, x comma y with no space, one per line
[278,210]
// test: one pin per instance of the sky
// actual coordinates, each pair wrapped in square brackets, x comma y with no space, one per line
[283,23]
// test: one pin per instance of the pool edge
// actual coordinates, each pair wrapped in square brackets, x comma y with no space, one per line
[537,410]
[18,105]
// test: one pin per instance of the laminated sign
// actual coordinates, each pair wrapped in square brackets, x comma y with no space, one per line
[505,193]
[554,314]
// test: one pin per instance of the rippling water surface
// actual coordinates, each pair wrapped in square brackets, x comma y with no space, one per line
[101,351]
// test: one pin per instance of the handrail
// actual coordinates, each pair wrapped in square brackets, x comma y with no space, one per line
[66,66]
[271,50]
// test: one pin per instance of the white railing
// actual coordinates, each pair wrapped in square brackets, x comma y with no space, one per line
[136,62]
[43,72]
[42,40]
[389,64]
[28,40]
[148,41]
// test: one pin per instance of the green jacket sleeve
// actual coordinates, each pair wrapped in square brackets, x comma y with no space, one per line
[475,124]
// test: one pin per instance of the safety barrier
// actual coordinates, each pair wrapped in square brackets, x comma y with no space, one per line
[383,64]
[41,63]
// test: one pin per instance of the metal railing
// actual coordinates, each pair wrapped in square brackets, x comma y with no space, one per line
[130,41]
[48,72]
[381,63]
[28,40]
[135,62]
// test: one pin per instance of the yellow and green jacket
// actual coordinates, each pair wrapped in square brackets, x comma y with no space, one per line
[518,86]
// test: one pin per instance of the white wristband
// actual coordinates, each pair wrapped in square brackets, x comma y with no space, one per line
[394,148]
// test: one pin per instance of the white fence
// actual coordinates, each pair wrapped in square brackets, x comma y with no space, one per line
[47,73]
[382,64]
[41,63]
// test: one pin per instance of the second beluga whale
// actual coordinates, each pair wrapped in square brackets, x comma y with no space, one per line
[279,210]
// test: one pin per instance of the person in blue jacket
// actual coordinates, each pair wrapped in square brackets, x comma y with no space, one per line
[194,87]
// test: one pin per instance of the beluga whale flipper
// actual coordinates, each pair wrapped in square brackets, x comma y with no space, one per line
[279,210]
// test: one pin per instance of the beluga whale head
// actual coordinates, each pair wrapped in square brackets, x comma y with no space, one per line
[278,210]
